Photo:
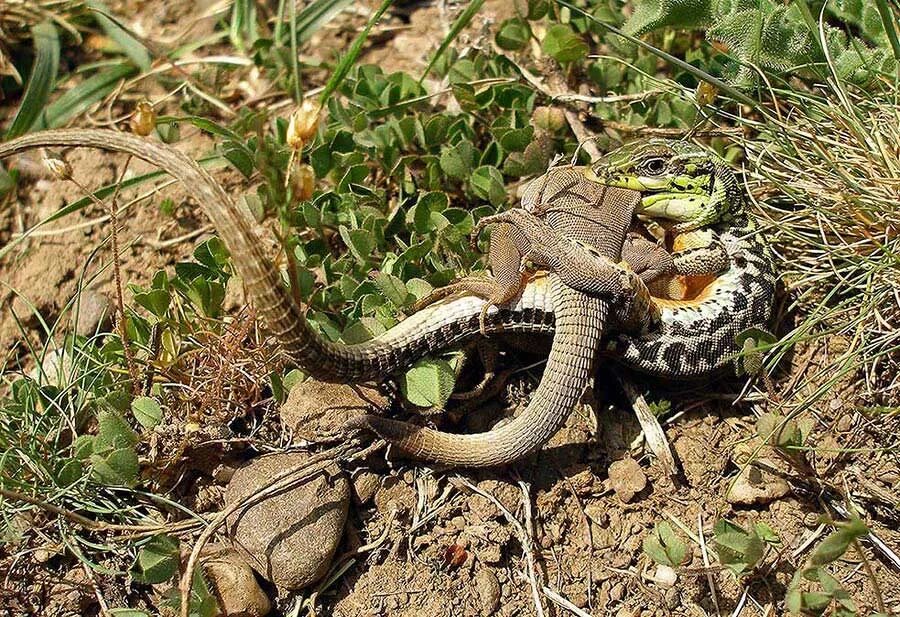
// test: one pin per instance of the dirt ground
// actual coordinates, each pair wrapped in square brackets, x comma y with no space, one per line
[441,547]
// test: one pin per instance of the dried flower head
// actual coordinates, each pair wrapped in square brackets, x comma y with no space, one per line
[303,181]
[304,123]
[57,165]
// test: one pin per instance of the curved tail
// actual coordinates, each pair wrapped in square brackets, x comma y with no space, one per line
[431,329]
[580,321]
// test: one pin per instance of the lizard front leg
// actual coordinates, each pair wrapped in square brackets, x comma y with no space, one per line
[507,280]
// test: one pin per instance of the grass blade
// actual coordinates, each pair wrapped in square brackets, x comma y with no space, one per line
[343,67]
[890,26]
[81,97]
[41,81]
[458,26]
[130,46]
[316,15]
[733,92]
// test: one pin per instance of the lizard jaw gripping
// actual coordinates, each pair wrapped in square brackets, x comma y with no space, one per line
[678,181]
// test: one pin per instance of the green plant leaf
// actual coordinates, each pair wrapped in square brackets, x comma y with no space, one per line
[393,289]
[40,82]
[81,97]
[359,241]
[563,44]
[738,549]
[664,547]
[429,383]
[513,34]
[116,468]
[113,431]
[130,46]
[315,15]
[157,561]
[837,543]
[146,411]
[487,183]
[649,15]
[456,160]
[155,300]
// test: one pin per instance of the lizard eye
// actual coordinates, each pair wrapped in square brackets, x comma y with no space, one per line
[654,167]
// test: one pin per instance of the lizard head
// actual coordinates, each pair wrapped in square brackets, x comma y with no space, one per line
[678,181]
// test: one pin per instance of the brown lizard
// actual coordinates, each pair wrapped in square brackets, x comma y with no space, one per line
[693,340]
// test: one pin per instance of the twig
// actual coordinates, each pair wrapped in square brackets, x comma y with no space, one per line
[709,577]
[653,432]
[91,524]
[562,602]
[164,244]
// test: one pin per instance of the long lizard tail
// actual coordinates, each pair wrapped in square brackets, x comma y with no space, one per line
[580,320]
[429,330]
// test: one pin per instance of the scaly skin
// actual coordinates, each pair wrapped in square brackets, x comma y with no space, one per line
[694,339]
[428,331]
[587,288]
[580,318]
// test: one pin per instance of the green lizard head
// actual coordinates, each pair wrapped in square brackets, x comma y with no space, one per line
[678,181]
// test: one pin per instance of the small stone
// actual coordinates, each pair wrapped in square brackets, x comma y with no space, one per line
[845,423]
[665,576]
[290,537]
[236,589]
[488,588]
[617,592]
[94,312]
[627,479]
[672,598]
[364,483]
[756,487]
[315,408]
[56,368]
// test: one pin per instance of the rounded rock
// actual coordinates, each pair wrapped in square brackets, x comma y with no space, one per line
[236,589]
[289,538]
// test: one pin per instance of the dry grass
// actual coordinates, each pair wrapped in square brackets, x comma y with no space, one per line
[835,155]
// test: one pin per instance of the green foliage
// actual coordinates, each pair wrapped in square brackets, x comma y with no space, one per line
[513,34]
[740,549]
[753,343]
[146,411]
[813,590]
[157,561]
[429,383]
[774,36]
[563,44]
[783,432]
[664,547]
[41,81]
